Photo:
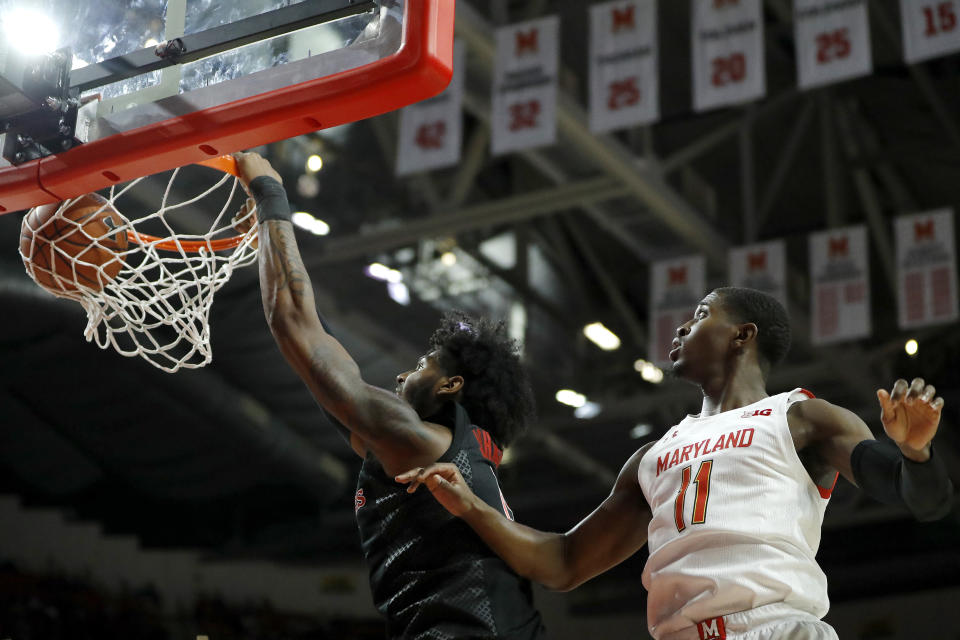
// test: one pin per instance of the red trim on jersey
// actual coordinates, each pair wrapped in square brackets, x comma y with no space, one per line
[807,393]
[825,493]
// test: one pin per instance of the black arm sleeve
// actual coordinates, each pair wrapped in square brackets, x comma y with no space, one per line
[271,199]
[885,475]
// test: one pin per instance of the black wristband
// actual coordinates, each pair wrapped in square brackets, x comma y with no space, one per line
[271,199]
[886,475]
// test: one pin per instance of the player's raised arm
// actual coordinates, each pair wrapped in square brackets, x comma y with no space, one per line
[378,420]
[613,532]
[906,472]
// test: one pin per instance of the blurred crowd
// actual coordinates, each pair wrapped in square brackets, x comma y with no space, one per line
[54,606]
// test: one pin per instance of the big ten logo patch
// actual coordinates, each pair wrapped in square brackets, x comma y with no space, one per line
[757,412]
[359,500]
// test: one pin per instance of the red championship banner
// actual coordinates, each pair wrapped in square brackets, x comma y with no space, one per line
[525,86]
[676,287]
[833,41]
[431,131]
[930,28]
[926,268]
[728,66]
[839,285]
[761,266]
[624,82]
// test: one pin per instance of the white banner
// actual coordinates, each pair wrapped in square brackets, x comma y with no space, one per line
[624,82]
[525,85]
[728,66]
[676,287]
[930,28]
[833,41]
[431,131]
[761,266]
[926,268]
[839,285]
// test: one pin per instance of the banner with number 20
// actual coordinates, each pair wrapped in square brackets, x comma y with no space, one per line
[727,52]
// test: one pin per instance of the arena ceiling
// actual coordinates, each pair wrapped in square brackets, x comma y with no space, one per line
[236,460]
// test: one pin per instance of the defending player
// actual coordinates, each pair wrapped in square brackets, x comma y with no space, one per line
[730,501]
[431,576]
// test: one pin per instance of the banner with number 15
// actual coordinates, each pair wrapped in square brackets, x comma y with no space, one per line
[930,28]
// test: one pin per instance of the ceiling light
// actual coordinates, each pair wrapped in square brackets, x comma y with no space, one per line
[641,430]
[30,32]
[306,221]
[399,293]
[314,163]
[601,336]
[911,347]
[379,271]
[449,258]
[588,410]
[571,398]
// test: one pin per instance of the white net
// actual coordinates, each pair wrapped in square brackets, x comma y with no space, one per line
[146,282]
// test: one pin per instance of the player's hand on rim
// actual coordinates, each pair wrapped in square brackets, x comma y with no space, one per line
[252,166]
[910,415]
[444,481]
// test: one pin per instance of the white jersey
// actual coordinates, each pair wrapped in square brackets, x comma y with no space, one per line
[736,518]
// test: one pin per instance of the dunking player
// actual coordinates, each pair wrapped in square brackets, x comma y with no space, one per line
[731,500]
[431,576]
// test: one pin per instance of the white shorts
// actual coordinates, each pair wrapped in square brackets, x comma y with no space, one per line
[769,622]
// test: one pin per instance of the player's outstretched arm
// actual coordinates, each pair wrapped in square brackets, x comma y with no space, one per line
[378,421]
[561,561]
[906,472]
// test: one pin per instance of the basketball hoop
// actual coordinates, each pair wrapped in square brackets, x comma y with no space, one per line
[146,286]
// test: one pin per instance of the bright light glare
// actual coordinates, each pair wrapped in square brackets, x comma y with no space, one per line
[911,347]
[399,293]
[314,225]
[151,42]
[314,163]
[379,271]
[571,398]
[601,336]
[30,32]
[449,259]
[648,371]
[588,410]
[642,429]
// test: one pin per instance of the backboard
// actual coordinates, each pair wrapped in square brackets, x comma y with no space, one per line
[209,77]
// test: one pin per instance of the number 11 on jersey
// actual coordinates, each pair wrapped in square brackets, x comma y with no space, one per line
[702,481]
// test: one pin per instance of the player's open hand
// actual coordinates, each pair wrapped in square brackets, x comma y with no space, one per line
[910,416]
[444,482]
[246,219]
[253,165]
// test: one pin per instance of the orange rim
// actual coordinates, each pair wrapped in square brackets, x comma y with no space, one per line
[226,164]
